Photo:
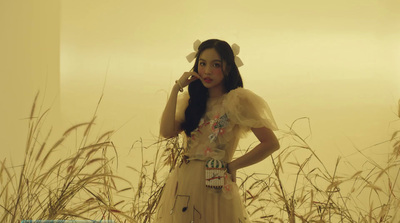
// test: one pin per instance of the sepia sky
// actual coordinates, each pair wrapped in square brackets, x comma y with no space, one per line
[334,62]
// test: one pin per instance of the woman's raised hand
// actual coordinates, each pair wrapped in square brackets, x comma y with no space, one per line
[170,127]
[187,78]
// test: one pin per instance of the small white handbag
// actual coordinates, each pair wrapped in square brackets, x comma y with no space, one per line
[215,173]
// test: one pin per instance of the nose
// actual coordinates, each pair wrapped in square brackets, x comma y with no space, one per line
[208,69]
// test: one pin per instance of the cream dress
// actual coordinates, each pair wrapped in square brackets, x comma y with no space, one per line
[185,197]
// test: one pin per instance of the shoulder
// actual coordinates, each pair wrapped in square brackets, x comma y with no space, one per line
[248,109]
[239,91]
[241,100]
[241,95]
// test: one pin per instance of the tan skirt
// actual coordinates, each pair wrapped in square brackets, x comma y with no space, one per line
[186,198]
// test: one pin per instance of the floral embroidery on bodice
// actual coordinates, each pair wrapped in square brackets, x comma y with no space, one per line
[213,138]
[226,119]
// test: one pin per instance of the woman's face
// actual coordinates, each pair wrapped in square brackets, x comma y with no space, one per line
[211,70]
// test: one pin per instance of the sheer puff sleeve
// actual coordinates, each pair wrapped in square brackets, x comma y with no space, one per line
[181,105]
[249,110]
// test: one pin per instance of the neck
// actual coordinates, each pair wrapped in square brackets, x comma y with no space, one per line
[216,92]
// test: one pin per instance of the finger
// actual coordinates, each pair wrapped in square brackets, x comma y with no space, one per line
[186,76]
[193,78]
[196,78]
[195,75]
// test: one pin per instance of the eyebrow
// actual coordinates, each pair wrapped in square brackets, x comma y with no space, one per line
[211,61]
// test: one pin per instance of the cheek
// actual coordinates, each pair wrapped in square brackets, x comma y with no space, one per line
[200,70]
[219,72]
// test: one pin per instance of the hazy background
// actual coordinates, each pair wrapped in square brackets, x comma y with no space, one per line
[335,62]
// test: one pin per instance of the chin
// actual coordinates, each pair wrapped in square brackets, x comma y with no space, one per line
[207,86]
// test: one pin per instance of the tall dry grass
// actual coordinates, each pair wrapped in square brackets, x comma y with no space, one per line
[46,186]
[83,185]
[306,190]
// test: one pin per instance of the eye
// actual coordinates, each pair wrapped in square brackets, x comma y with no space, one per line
[202,63]
[217,65]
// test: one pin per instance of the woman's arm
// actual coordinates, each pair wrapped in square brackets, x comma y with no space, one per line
[268,144]
[169,127]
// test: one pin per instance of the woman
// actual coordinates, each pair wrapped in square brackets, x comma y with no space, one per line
[214,115]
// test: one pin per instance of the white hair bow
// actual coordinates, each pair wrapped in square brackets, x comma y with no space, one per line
[192,55]
[235,49]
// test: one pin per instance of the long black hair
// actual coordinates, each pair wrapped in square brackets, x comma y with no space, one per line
[199,94]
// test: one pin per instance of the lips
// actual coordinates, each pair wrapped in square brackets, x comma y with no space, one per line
[207,80]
